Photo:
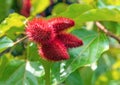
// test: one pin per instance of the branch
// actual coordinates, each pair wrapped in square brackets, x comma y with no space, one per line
[16,42]
[19,40]
[107,32]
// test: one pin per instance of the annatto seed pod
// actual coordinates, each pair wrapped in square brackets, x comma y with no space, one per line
[54,42]
[54,51]
[39,31]
[61,23]
[69,40]
[26,5]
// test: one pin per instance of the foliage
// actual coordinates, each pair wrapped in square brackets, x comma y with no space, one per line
[96,62]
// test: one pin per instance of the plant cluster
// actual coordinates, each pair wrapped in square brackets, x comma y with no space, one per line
[59,42]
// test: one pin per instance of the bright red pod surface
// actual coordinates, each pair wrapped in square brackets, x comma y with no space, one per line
[54,42]
[61,23]
[69,40]
[37,30]
[54,51]
[26,5]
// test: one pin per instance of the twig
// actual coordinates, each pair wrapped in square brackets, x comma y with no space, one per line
[7,50]
[102,28]
[19,40]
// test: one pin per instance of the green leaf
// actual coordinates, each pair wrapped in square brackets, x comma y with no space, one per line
[94,45]
[39,6]
[102,14]
[110,26]
[104,64]
[118,30]
[75,10]
[74,79]
[32,52]
[13,21]
[87,75]
[55,71]
[20,72]
[59,8]
[5,8]
[5,42]
[11,71]
[111,2]
[91,2]
[82,13]
[3,62]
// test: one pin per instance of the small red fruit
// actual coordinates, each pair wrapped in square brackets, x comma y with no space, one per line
[60,23]
[39,31]
[26,5]
[69,40]
[54,51]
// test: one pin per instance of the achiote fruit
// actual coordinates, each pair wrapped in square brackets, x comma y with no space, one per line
[52,41]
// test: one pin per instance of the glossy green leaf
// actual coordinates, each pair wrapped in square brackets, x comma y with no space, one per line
[90,2]
[13,69]
[110,7]
[39,6]
[99,15]
[75,10]
[83,13]
[20,72]
[5,42]
[87,75]
[94,45]
[13,21]
[74,79]
[59,8]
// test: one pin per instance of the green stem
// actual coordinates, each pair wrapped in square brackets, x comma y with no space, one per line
[47,76]
[47,66]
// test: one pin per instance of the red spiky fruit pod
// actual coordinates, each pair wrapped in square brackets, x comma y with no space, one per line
[54,42]
[39,31]
[54,51]
[61,23]
[26,5]
[69,40]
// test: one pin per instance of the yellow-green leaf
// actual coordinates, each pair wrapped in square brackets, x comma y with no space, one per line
[13,20]
[38,6]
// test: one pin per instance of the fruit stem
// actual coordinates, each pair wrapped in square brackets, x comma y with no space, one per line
[47,66]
